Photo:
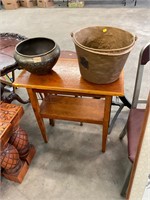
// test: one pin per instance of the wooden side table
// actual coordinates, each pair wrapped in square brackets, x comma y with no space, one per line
[16,152]
[65,81]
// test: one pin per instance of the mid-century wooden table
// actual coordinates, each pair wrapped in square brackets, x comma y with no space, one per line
[65,81]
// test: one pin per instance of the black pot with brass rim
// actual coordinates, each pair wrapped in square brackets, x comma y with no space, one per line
[37,55]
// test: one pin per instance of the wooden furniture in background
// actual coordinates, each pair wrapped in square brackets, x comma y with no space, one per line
[16,152]
[65,81]
[139,168]
[8,65]
[136,115]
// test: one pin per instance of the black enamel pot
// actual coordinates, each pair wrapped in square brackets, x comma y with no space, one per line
[37,55]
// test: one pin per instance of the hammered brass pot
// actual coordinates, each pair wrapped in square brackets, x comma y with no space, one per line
[37,55]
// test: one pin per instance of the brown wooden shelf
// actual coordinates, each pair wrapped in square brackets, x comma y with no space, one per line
[73,109]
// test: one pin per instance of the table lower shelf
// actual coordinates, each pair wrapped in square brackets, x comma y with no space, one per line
[73,109]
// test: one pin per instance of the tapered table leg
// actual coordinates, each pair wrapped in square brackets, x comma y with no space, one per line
[36,109]
[107,112]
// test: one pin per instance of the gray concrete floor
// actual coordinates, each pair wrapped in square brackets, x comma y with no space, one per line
[71,165]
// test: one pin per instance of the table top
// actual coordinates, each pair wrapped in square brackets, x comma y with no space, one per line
[66,78]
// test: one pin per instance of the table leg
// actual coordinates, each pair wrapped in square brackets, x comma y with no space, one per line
[36,109]
[107,111]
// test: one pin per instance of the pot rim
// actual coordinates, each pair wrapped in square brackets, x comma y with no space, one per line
[31,56]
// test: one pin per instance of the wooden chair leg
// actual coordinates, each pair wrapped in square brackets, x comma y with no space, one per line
[126,181]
